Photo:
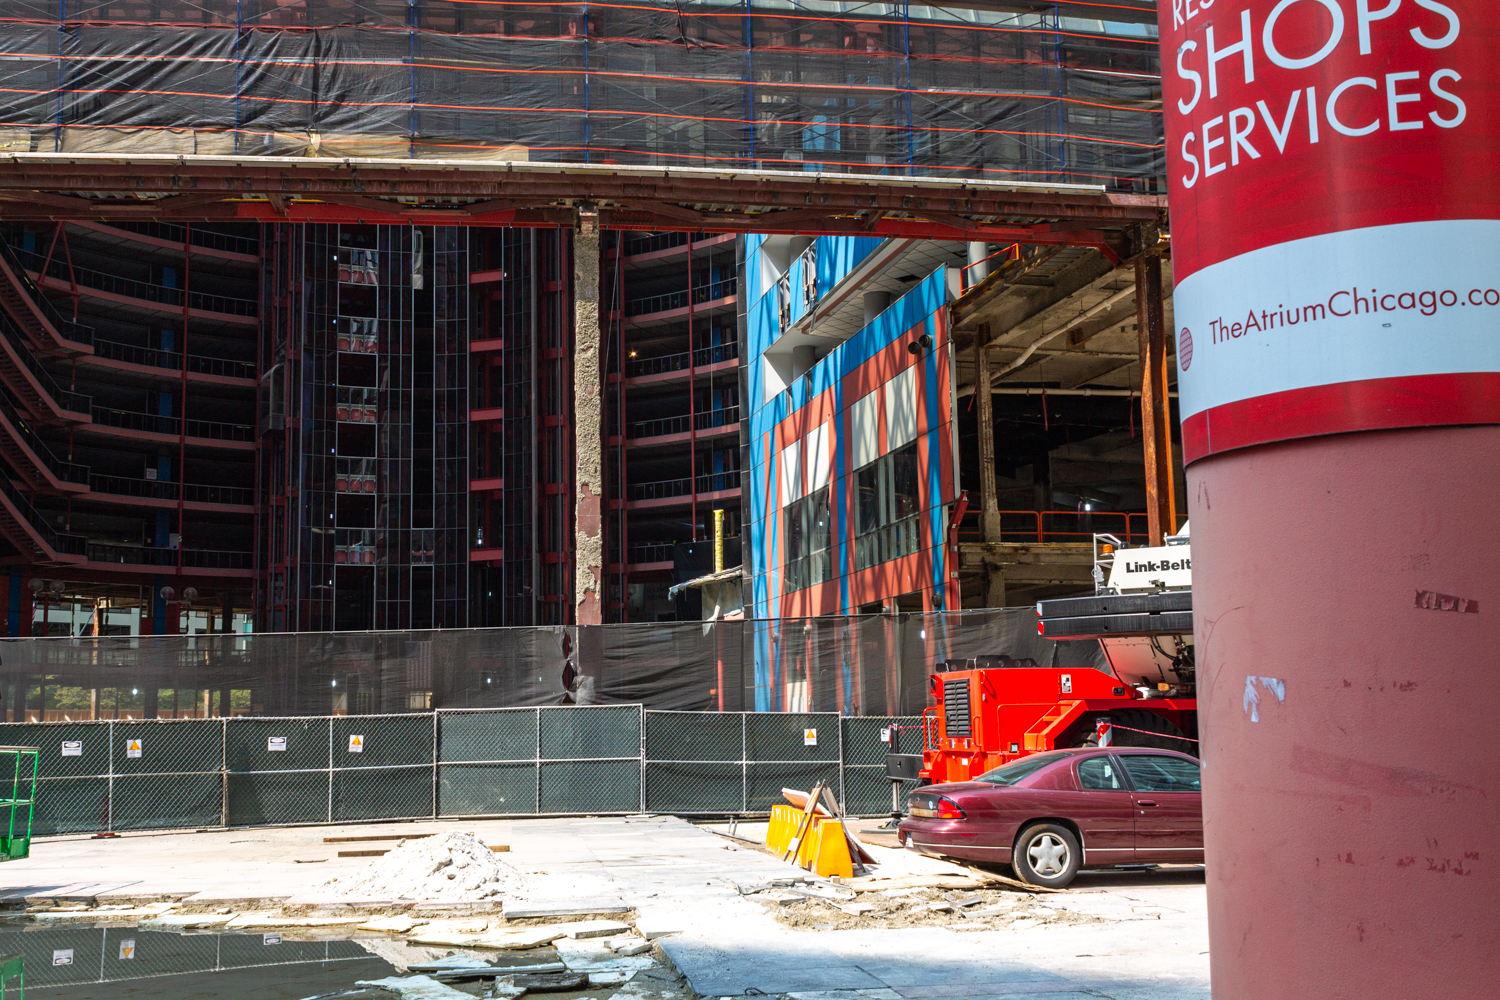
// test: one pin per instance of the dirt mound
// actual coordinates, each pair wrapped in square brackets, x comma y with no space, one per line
[450,867]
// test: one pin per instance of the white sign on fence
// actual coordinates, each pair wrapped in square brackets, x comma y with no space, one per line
[809,737]
[132,748]
[127,949]
[62,956]
[276,744]
[72,748]
[356,744]
[268,939]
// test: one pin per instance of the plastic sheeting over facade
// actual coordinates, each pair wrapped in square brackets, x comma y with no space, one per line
[863,665]
[879,88]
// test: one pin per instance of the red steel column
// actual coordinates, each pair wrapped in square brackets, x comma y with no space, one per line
[1333,174]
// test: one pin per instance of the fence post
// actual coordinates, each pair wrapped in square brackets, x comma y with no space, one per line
[224,772]
[744,764]
[642,709]
[538,764]
[109,794]
[330,769]
[435,763]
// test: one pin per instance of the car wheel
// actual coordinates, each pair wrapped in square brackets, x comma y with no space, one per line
[1046,854]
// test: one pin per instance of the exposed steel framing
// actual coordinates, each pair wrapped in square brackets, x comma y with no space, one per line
[54,186]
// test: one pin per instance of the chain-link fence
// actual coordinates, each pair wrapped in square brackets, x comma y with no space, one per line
[519,761]
[196,773]
[57,957]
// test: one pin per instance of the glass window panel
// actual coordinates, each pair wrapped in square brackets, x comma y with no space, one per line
[1151,773]
[1099,773]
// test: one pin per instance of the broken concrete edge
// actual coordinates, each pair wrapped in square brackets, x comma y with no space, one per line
[312,912]
[598,906]
[663,954]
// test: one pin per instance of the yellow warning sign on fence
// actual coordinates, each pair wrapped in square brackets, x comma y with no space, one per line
[356,744]
[132,748]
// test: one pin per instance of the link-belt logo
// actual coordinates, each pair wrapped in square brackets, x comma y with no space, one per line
[1158,566]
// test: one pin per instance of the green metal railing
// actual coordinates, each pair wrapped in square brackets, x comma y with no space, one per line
[16,842]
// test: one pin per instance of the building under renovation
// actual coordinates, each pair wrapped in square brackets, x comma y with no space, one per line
[266,416]
[937,426]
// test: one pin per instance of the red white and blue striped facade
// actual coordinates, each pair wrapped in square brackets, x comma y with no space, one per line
[868,396]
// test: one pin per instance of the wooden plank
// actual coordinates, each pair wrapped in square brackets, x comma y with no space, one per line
[794,846]
[364,854]
[391,836]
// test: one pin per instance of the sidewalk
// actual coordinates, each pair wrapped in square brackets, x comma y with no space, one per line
[1125,936]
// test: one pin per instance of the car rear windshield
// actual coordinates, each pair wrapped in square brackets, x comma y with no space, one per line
[1009,774]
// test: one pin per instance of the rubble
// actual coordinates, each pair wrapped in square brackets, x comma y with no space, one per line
[416,988]
[451,867]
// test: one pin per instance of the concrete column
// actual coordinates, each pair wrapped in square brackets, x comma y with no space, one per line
[1156,405]
[1342,480]
[875,304]
[588,427]
[979,267]
[994,586]
[989,511]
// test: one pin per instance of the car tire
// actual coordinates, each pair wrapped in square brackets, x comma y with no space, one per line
[1148,730]
[1046,854]
[1142,728]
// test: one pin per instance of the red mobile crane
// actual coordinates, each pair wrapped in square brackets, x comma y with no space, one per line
[993,709]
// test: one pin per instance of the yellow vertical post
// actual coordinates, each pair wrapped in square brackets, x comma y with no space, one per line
[719,540]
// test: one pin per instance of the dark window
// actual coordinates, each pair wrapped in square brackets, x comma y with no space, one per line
[1009,774]
[889,507]
[1150,773]
[809,538]
[1100,773]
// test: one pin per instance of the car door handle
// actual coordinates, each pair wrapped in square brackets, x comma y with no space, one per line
[1146,802]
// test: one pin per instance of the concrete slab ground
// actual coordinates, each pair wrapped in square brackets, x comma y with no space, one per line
[1120,936]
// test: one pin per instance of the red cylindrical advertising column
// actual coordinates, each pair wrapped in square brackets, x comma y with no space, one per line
[1334,171]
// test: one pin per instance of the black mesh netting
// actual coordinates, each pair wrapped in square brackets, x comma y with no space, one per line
[871,665]
[1016,93]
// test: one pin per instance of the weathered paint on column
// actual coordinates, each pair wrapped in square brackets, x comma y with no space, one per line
[1156,405]
[1336,241]
[588,414]
[989,510]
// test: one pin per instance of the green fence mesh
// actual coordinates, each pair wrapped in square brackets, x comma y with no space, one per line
[193,773]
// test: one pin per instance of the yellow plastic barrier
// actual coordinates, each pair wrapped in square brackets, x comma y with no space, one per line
[824,850]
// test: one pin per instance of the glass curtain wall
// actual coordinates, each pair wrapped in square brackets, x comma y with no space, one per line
[373,329]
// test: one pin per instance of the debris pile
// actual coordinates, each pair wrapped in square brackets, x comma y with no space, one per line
[812,904]
[453,867]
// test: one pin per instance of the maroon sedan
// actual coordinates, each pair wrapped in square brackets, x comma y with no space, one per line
[1052,813]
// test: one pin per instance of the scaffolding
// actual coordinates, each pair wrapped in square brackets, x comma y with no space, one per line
[1035,91]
